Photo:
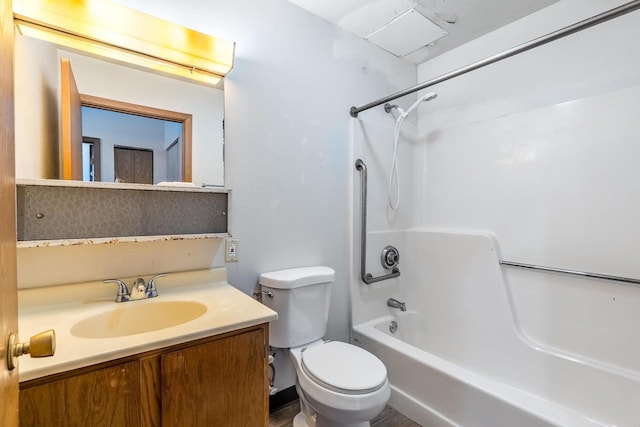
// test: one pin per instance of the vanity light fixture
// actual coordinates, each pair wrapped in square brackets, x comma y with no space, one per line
[111,30]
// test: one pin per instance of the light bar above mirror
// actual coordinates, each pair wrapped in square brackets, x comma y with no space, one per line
[108,29]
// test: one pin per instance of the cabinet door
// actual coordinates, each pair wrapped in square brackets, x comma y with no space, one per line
[106,397]
[222,383]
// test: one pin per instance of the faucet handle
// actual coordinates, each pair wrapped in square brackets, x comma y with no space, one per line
[151,290]
[123,291]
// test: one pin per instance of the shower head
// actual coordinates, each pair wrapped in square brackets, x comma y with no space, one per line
[426,97]
[429,96]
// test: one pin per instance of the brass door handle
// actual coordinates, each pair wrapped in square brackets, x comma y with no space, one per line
[40,345]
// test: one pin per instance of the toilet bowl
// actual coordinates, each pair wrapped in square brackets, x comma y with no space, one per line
[342,385]
[339,384]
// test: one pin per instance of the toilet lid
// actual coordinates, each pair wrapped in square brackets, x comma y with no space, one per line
[344,367]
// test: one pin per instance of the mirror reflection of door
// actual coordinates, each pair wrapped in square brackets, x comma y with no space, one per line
[133,165]
[174,163]
[109,123]
[71,123]
[91,163]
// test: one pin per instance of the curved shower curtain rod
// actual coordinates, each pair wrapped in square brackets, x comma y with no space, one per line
[555,35]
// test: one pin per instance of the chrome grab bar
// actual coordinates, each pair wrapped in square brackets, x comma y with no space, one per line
[571,272]
[367,277]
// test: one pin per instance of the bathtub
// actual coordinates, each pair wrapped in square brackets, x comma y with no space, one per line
[460,357]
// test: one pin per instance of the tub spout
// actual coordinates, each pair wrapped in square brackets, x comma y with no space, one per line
[392,302]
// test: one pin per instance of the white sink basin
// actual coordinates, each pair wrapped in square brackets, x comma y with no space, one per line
[137,317]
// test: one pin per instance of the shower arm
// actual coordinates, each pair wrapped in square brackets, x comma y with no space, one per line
[367,277]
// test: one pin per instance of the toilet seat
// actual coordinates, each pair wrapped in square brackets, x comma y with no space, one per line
[343,368]
[349,405]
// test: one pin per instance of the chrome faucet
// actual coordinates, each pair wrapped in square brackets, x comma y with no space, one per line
[138,290]
[392,302]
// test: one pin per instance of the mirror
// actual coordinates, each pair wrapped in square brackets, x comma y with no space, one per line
[38,115]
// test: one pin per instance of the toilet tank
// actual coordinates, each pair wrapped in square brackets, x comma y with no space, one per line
[301,299]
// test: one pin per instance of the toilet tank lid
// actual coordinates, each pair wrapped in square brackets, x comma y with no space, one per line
[297,277]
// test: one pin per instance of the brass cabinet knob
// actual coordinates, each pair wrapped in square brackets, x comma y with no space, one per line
[40,345]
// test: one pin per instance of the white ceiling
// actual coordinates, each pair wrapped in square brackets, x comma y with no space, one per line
[385,23]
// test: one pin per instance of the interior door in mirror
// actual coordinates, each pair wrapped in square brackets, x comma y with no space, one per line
[71,123]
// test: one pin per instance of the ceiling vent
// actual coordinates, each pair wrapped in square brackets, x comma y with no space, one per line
[406,33]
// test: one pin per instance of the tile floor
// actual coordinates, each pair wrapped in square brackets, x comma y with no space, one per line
[283,417]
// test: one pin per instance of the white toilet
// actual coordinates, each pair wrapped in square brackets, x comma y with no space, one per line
[339,384]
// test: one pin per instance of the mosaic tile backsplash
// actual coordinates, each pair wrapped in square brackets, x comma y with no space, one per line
[53,213]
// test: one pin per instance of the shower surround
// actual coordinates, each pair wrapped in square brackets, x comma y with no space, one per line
[532,160]
[468,353]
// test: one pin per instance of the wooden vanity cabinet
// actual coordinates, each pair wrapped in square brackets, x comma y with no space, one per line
[217,381]
[105,397]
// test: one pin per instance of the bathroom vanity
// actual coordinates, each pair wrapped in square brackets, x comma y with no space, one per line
[216,381]
[207,371]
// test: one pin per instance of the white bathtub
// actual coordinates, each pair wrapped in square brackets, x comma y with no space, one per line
[460,358]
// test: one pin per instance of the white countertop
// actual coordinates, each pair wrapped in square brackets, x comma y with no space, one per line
[60,307]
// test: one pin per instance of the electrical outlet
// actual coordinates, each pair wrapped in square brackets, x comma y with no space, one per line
[230,250]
